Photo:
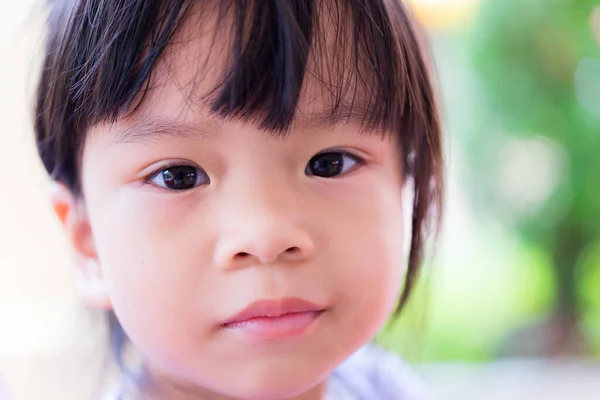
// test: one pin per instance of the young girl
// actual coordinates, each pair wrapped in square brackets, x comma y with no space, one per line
[231,175]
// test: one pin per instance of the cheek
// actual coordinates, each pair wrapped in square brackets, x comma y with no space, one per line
[145,231]
[376,265]
[152,263]
[370,276]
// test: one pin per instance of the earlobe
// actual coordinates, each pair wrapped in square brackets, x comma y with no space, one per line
[72,214]
[91,285]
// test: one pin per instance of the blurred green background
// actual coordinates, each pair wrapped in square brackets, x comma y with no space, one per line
[517,273]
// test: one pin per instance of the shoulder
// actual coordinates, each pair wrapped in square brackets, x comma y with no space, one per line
[373,372]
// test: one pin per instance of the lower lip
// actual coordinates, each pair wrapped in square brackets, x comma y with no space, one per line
[269,328]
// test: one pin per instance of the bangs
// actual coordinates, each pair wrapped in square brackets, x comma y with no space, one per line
[341,54]
[344,53]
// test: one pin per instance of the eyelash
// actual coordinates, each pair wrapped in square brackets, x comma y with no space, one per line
[359,160]
[174,164]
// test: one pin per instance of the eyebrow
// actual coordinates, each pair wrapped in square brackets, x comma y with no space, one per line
[152,129]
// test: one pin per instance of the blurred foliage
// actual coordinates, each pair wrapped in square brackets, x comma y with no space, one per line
[464,311]
[535,148]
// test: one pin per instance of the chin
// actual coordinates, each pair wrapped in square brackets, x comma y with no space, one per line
[272,393]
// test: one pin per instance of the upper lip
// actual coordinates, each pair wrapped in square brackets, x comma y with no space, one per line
[274,308]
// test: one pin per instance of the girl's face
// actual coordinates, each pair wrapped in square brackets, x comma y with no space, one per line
[194,220]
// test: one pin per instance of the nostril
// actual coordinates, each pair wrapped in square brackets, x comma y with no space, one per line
[242,255]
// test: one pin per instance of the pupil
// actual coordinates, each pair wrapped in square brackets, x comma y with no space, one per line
[180,177]
[327,165]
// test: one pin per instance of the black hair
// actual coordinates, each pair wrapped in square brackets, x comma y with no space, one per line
[100,56]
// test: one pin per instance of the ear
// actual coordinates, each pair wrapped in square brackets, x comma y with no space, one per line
[72,214]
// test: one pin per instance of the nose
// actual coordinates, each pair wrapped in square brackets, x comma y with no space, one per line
[261,233]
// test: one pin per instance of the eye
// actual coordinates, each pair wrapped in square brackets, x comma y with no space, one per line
[179,177]
[333,163]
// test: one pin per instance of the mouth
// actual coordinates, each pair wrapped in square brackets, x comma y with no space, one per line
[275,319]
